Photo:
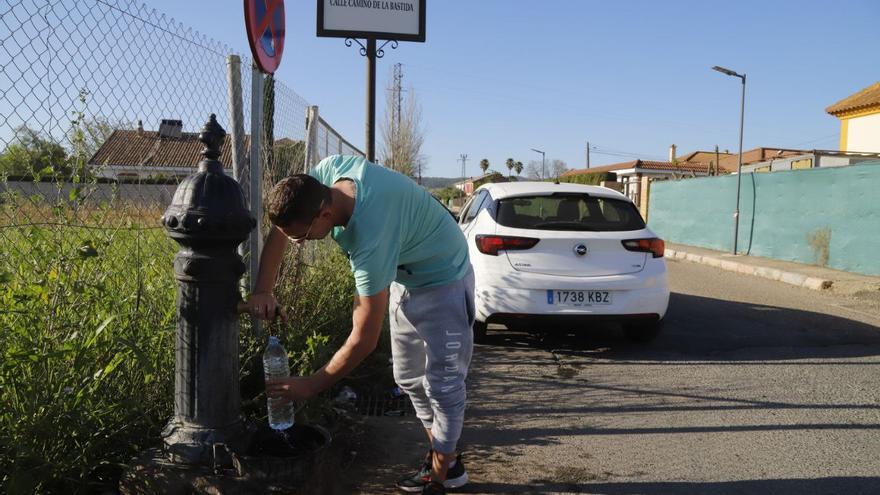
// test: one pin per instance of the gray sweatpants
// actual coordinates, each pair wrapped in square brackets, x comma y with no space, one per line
[431,347]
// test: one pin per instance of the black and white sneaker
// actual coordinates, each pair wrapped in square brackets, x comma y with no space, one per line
[456,476]
[417,481]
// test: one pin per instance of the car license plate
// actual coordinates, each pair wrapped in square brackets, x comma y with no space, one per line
[578,297]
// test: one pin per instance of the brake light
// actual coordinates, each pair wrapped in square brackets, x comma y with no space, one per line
[491,244]
[654,246]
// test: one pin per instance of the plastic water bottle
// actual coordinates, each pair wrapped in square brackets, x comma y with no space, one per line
[275,365]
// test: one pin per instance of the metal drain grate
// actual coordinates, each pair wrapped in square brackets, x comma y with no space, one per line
[384,406]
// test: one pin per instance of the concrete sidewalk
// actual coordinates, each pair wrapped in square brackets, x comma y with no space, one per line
[801,275]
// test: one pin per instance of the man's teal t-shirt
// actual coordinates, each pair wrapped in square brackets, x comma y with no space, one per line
[397,232]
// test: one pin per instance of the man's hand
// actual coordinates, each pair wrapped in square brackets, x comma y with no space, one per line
[264,306]
[293,388]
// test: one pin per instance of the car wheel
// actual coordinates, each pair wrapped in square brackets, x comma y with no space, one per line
[643,331]
[480,331]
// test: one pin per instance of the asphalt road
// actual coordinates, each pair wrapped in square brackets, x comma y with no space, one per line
[754,387]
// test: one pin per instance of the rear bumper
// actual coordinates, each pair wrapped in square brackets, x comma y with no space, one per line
[546,321]
[644,295]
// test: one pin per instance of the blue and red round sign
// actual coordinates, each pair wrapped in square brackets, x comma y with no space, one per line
[264,20]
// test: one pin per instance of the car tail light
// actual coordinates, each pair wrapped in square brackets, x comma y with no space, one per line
[491,244]
[653,245]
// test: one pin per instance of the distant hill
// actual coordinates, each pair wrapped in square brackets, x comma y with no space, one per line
[438,182]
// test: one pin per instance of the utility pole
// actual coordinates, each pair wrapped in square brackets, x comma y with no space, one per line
[463,159]
[395,123]
[588,154]
[398,89]
[717,161]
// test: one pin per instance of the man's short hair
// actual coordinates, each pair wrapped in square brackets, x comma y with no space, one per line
[297,198]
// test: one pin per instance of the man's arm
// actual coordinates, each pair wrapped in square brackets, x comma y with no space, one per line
[369,312]
[262,302]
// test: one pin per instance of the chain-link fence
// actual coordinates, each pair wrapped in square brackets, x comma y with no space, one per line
[101,103]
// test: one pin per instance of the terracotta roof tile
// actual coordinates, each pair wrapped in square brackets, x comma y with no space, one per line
[863,100]
[145,149]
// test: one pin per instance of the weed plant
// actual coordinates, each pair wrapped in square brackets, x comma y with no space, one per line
[87,305]
[85,381]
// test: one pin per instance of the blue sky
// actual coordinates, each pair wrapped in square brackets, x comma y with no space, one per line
[496,78]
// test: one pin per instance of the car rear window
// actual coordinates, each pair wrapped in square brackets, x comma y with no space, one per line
[569,212]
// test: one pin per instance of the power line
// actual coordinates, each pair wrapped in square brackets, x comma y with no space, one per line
[823,138]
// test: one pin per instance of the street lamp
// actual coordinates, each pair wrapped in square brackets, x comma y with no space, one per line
[742,112]
[542,161]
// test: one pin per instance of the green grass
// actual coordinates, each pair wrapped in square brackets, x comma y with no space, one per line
[87,307]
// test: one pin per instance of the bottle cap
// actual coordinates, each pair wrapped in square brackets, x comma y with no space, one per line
[273,339]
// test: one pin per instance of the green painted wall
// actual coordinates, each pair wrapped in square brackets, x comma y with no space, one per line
[799,215]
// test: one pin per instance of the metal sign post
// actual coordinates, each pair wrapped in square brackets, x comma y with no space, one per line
[265,23]
[372,20]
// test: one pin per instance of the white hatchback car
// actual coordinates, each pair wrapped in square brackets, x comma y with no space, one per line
[550,256]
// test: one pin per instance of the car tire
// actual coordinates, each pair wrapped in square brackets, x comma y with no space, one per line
[480,332]
[643,331]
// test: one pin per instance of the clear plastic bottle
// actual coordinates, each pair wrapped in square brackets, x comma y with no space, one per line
[275,365]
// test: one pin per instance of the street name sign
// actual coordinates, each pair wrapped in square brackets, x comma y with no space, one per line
[399,20]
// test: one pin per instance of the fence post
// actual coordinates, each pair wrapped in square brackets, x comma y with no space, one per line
[255,185]
[236,115]
[236,122]
[312,122]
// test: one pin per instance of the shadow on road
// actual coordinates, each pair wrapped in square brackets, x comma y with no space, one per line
[705,329]
[848,485]
[525,401]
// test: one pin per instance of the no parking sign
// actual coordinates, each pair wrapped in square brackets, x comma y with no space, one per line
[264,20]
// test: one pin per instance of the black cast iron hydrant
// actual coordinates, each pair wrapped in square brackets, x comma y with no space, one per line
[209,219]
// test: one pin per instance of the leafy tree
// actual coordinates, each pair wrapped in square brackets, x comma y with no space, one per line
[446,193]
[518,166]
[33,154]
[484,164]
[85,136]
[510,164]
[90,134]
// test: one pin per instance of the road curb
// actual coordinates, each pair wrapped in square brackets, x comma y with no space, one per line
[792,278]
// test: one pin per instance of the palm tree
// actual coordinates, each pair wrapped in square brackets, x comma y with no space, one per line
[510,164]
[518,167]
[484,164]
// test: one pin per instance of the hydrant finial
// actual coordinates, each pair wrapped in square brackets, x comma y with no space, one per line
[212,136]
